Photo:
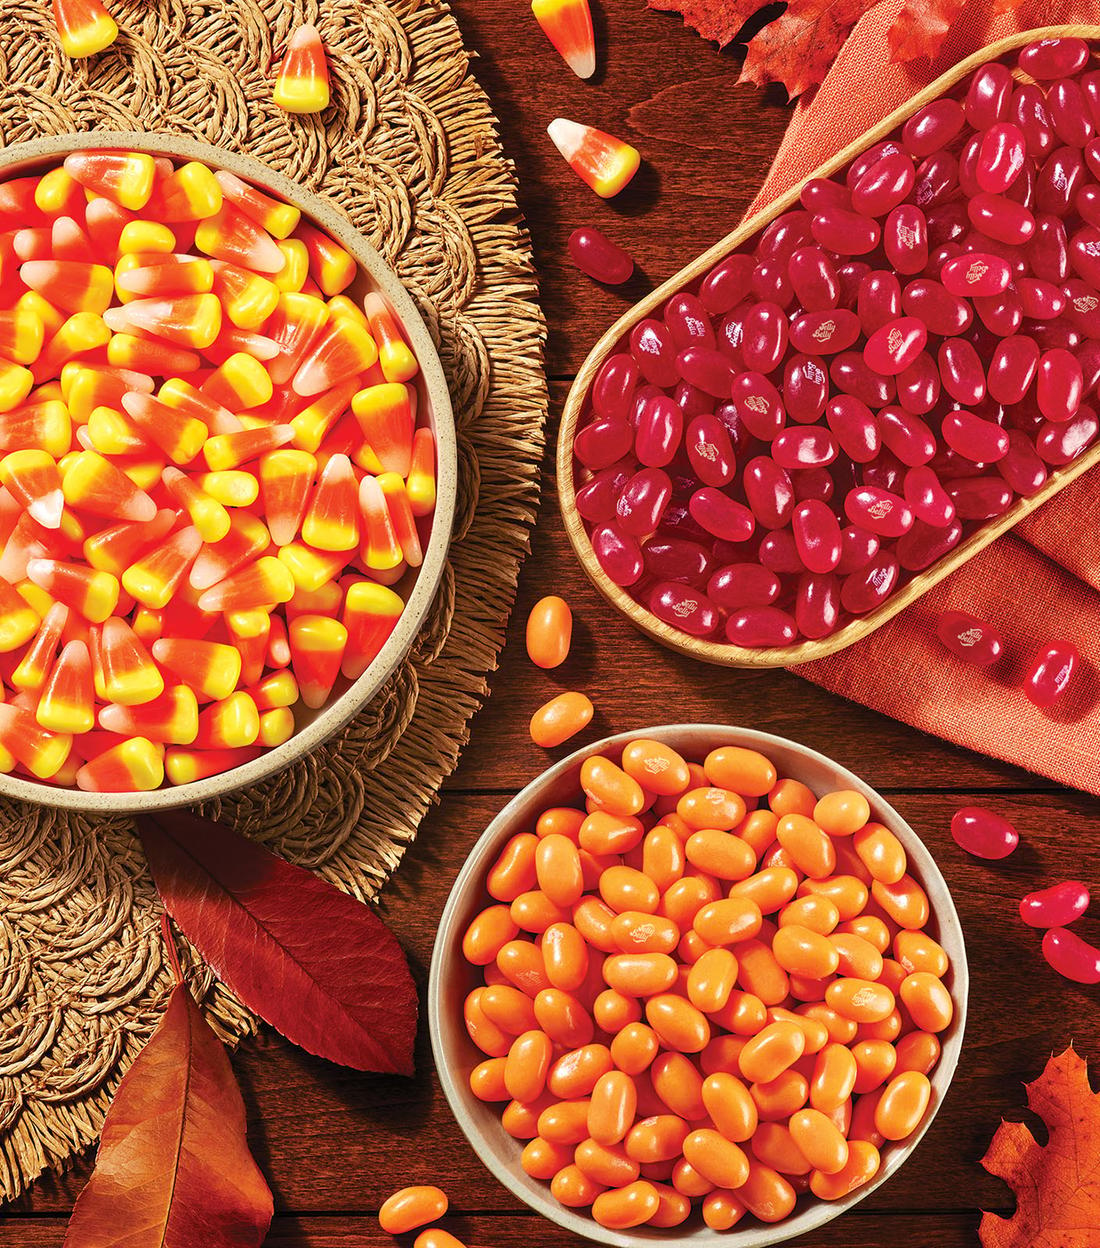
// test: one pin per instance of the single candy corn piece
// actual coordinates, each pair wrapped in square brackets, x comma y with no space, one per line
[22,334]
[229,724]
[309,569]
[606,163]
[15,384]
[93,484]
[232,236]
[265,582]
[332,521]
[312,424]
[151,356]
[341,305]
[278,643]
[394,353]
[19,622]
[178,434]
[211,668]
[386,418]
[32,479]
[232,488]
[370,615]
[294,325]
[296,270]
[146,236]
[401,517]
[87,386]
[125,177]
[134,766]
[190,193]
[330,266]
[238,383]
[276,726]
[58,194]
[317,646]
[84,27]
[171,719]
[110,433]
[245,628]
[420,480]
[208,516]
[88,591]
[278,218]
[41,751]
[141,275]
[286,478]
[183,397]
[230,450]
[248,298]
[115,548]
[126,671]
[154,578]
[69,242]
[67,703]
[568,26]
[183,320]
[277,689]
[344,350]
[247,538]
[38,658]
[301,83]
[184,766]
[380,547]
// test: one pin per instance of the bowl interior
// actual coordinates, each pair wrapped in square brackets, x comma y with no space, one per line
[418,587]
[452,978]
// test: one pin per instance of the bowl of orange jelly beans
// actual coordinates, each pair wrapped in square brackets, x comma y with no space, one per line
[697,981]
[227,465]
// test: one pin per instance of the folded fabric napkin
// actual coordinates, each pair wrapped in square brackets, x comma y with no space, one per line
[1038,583]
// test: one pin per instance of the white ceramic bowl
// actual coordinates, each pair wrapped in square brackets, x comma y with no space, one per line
[418,588]
[452,978]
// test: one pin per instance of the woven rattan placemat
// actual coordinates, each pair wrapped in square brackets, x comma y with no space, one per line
[408,150]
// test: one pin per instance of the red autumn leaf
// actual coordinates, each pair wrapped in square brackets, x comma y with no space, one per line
[921,27]
[173,1168]
[719,20]
[798,48]
[1057,1186]
[316,964]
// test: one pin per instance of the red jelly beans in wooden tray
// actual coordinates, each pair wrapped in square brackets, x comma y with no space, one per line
[214,485]
[794,443]
[704,990]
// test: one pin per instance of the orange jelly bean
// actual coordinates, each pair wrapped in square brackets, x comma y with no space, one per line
[730,1105]
[560,718]
[770,889]
[881,853]
[612,1107]
[608,1166]
[565,956]
[743,771]
[656,767]
[800,951]
[411,1207]
[834,1076]
[720,854]
[729,921]
[792,797]
[711,807]
[722,1210]
[678,1024]
[927,1000]
[841,813]
[717,1159]
[542,1160]
[917,951]
[771,1051]
[624,888]
[488,934]
[902,1105]
[627,1206]
[549,632]
[861,1167]
[904,901]
[610,787]
[917,1050]
[810,848]
[563,1018]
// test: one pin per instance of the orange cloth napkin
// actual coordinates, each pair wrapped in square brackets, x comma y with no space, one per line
[1035,584]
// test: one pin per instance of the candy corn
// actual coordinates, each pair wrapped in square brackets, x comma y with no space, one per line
[332,521]
[286,478]
[93,484]
[32,479]
[121,665]
[232,236]
[385,415]
[184,320]
[84,27]
[39,655]
[277,689]
[125,177]
[115,548]
[134,766]
[88,591]
[272,215]
[380,548]
[394,354]
[229,724]
[568,26]
[330,266]
[210,668]
[179,435]
[231,450]
[301,85]
[266,582]
[67,703]
[317,645]
[184,766]
[343,351]
[154,578]
[40,750]
[606,163]
[276,726]
[370,615]
[173,718]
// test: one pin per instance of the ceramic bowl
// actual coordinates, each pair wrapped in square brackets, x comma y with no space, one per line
[452,978]
[419,587]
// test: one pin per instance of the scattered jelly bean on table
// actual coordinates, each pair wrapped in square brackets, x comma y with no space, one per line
[1051,673]
[729,933]
[1056,906]
[549,632]
[595,254]
[969,638]
[216,487]
[902,357]
[410,1208]
[1071,956]
[983,833]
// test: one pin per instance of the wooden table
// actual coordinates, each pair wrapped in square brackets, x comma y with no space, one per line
[333,1143]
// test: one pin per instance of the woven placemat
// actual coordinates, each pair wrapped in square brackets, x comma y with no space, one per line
[408,150]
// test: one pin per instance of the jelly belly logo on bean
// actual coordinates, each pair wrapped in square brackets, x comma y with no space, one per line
[641,933]
[824,331]
[813,372]
[881,509]
[1090,248]
[707,451]
[757,403]
[656,765]
[907,236]
[976,272]
[1086,303]
[971,637]
[894,341]
[685,607]
[1063,676]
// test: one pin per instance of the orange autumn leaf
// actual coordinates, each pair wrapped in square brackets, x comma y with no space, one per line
[1057,1186]
[921,27]
[719,20]
[798,48]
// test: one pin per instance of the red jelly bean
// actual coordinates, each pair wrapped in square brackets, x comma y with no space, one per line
[979,273]
[978,440]
[758,404]
[1061,177]
[660,428]
[595,254]
[854,427]
[884,185]
[868,159]
[817,605]
[905,239]
[919,385]
[868,588]
[1057,444]
[784,235]
[852,374]
[653,351]
[879,300]
[878,511]
[726,284]
[710,451]
[937,180]
[1012,369]
[1054,58]
[927,497]
[1059,385]
[1022,468]
[925,543]
[613,389]
[740,585]
[813,276]
[1056,906]
[942,312]
[857,548]
[721,515]
[988,96]
[983,833]
[688,322]
[1048,251]
[805,388]
[932,128]
[804,448]
[845,232]
[770,282]
[980,498]
[765,340]
[676,559]
[642,502]
[891,349]
[1029,112]
[1000,218]
[761,626]
[618,553]
[814,483]
[779,553]
[906,435]
[1082,306]
[1051,673]
[1072,957]
[821,193]
[603,441]
[816,535]
[1000,157]
[769,492]
[1068,114]
[969,638]
[683,608]
[707,369]
[596,498]
[824,333]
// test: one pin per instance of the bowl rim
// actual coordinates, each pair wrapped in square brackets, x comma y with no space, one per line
[446,953]
[337,714]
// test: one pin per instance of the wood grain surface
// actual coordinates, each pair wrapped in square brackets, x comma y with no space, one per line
[334,1143]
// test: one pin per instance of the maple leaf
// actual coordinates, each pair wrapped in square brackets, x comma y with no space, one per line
[319,966]
[719,20]
[799,48]
[173,1166]
[921,27]
[1057,1186]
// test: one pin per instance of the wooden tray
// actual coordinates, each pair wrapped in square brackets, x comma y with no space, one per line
[724,653]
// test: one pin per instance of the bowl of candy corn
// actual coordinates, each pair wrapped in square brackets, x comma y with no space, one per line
[227,471]
[863,385]
[697,977]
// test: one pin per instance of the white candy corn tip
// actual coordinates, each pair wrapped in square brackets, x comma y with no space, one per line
[567,136]
[582,62]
